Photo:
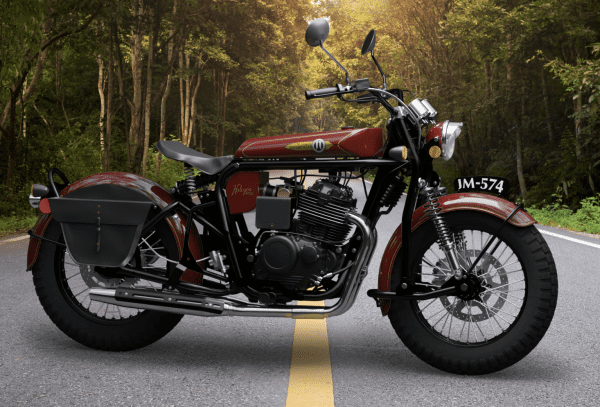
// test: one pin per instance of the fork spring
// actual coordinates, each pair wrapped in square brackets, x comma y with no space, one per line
[432,209]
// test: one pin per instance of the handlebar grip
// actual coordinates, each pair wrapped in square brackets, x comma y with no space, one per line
[311,94]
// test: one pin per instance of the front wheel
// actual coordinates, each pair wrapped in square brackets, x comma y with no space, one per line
[498,326]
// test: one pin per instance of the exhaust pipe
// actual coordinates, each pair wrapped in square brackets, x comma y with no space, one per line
[212,307]
[159,301]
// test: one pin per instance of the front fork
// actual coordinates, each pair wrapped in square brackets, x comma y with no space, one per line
[445,237]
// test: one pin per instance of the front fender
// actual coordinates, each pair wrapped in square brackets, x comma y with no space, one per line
[156,193]
[489,204]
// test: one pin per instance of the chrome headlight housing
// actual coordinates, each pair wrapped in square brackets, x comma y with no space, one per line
[450,132]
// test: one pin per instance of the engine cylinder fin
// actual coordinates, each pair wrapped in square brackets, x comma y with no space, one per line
[323,214]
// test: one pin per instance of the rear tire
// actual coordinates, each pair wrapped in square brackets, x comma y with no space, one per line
[504,324]
[57,283]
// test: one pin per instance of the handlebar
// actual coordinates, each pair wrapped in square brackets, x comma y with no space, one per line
[324,92]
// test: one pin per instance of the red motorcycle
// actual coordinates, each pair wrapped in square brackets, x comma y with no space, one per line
[467,281]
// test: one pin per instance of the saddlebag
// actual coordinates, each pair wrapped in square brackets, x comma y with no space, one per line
[102,223]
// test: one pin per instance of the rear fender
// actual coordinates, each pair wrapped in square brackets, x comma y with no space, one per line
[156,193]
[489,204]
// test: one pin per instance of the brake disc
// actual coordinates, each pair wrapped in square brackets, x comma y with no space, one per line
[489,271]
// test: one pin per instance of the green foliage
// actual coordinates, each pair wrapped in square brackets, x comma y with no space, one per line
[459,54]
[171,171]
[585,219]
[12,224]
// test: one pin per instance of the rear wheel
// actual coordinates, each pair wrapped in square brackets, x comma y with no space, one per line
[498,324]
[63,289]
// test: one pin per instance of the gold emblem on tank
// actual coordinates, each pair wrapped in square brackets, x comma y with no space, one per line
[435,152]
[306,145]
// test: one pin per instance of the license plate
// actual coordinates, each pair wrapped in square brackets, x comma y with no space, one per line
[494,185]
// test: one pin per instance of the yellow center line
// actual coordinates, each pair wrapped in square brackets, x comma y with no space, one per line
[311,383]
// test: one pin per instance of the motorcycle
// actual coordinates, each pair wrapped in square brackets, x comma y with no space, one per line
[467,281]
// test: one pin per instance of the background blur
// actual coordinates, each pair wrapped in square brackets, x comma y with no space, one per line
[90,86]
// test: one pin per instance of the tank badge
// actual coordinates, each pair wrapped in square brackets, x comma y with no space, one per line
[310,145]
[318,145]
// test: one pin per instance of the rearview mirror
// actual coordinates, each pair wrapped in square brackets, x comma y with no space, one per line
[369,44]
[317,32]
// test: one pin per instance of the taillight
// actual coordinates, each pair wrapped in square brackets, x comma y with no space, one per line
[45,205]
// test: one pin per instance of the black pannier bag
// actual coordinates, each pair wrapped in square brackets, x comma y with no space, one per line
[101,224]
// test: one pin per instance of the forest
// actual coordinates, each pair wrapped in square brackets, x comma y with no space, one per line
[89,86]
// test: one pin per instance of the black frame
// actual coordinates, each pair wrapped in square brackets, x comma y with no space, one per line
[401,131]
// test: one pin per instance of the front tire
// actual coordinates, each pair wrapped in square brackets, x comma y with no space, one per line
[504,322]
[62,287]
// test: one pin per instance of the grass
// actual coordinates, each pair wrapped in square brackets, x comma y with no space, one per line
[16,224]
[586,219]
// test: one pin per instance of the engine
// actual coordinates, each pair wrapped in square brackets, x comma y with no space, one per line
[313,246]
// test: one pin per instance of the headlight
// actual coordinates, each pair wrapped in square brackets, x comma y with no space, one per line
[450,132]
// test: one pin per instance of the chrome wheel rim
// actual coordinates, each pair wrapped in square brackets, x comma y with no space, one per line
[490,315]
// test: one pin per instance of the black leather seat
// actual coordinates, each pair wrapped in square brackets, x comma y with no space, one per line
[179,152]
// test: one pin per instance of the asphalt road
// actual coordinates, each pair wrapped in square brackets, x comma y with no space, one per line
[246,361]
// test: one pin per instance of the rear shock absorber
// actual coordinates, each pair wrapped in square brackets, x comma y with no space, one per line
[445,237]
[190,181]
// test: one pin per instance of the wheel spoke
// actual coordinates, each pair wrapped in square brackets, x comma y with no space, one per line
[482,334]
[511,303]
[462,329]
[449,316]
[469,327]
[505,285]
[423,309]
[501,268]
[494,316]
[504,312]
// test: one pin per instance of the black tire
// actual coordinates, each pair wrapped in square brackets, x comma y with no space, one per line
[508,339]
[82,319]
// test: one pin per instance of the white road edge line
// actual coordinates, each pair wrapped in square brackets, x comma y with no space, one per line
[597,246]
[14,239]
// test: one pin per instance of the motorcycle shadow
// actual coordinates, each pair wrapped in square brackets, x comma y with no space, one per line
[268,348]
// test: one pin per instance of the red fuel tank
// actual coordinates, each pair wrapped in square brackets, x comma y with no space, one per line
[327,144]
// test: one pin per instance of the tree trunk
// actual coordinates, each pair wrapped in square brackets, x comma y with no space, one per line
[23,115]
[186,113]
[136,70]
[547,106]
[122,95]
[181,96]
[18,85]
[163,102]
[151,41]
[12,149]
[193,106]
[200,147]
[222,85]
[514,117]
[102,106]
[577,107]
[111,91]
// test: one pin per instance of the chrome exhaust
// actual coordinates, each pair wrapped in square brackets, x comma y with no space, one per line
[210,307]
